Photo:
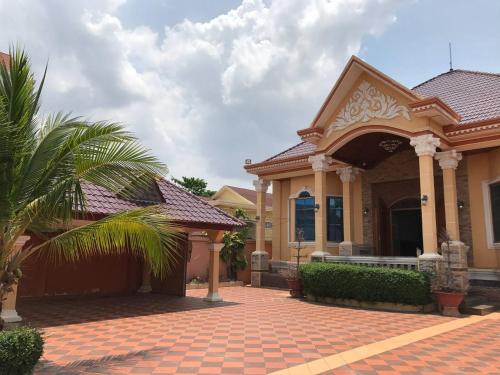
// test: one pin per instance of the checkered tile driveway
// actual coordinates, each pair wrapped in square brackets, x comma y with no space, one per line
[255,331]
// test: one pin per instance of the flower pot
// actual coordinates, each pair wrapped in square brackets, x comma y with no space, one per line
[295,286]
[448,302]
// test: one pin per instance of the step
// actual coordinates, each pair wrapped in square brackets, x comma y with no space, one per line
[480,309]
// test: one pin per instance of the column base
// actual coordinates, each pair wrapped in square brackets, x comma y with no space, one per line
[318,255]
[260,260]
[10,316]
[145,289]
[346,248]
[432,263]
[456,258]
[256,279]
[213,297]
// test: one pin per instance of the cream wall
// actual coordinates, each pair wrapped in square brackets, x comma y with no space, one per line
[482,167]
[291,187]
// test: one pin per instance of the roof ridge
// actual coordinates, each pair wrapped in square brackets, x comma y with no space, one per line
[455,71]
[282,152]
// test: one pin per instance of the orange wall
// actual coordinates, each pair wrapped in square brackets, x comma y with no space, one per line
[482,167]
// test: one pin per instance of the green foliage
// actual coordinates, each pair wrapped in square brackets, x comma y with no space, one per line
[44,164]
[233,252]
[20,350]
[195,185]
[364,283]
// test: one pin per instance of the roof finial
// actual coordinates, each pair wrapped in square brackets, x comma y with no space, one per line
[451,57]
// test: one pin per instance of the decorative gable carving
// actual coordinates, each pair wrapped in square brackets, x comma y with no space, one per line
[367,103]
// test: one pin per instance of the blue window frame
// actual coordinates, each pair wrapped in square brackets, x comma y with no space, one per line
[304,215]
[335,219]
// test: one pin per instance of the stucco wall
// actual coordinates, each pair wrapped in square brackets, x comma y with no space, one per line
[482,167]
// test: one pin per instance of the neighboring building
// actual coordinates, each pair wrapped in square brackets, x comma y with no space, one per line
[383,168]
[230,198]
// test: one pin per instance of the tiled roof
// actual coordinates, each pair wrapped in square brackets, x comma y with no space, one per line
[301,149]
[181,206]
[475,96]
[251,195]
[5,58]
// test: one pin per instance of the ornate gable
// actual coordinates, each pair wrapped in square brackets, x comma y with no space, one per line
[366,103]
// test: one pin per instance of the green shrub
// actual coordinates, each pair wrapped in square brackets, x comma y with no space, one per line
[364,283]
[20,350]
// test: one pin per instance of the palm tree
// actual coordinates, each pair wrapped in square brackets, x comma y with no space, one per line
[43,164]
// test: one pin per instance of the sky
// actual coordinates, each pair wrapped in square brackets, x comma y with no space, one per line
[206,84]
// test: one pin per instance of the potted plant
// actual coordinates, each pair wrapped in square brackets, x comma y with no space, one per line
[292,275]
[448,296]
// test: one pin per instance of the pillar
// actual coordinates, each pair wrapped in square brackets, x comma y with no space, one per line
[448,161]
[319,165]
[454,257]
[9,313]
[276,243]
[260,257]
[430,261]
[347,176]
[213,272]
[146,278]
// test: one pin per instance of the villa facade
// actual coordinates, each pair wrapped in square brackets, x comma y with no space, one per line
[383,170]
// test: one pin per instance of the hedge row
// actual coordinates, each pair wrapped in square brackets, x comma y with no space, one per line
[364,283]
[20,350]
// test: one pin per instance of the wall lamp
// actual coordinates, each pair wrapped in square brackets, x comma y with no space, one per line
[366,211]
[460,204]
[424,199]
[316,207]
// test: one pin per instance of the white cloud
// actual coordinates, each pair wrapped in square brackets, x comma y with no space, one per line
[203,96]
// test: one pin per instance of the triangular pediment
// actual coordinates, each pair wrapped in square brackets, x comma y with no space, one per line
[362,93]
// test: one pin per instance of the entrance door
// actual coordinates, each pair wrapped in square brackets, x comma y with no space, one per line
[406,227]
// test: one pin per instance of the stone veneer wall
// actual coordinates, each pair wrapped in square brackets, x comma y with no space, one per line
[403,167]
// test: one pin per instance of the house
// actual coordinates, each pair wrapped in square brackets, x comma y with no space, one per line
[382,169]
[126,273]
[230,198]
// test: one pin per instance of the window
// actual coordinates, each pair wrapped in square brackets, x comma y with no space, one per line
[304,215]
[495,210]
[334,219]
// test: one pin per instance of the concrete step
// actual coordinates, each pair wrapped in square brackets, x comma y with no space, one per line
[480,309]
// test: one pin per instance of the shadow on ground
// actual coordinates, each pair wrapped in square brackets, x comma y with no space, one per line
[57,311]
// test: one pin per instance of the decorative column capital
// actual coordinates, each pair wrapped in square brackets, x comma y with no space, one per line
[319,162]
[261,185]
[448,159]
[347,174]
[425,145]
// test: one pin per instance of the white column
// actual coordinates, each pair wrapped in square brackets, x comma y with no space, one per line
[347,176]
[9,313]
[260,257]
[213,273]
[319,165]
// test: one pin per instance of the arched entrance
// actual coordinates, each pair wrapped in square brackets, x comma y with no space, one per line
[406,227]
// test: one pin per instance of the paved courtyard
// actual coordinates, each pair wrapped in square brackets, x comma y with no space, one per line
[254,331]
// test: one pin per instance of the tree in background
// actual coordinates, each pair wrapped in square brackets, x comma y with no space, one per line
[195,185]
[233,253]
[44,163]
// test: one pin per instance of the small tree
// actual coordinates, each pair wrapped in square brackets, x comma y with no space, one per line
[233,253]
[195,185]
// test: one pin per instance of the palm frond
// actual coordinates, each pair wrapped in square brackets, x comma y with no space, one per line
[144,231]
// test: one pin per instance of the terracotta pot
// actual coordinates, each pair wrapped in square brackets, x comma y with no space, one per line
[295,286]
[449,302]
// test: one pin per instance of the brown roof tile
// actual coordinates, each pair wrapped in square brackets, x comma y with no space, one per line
[181,205]
[5,58]
[301,149]
[475,96]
